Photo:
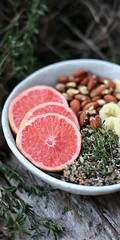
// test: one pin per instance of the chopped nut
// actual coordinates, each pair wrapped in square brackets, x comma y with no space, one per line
[101,102]
[83,89]
[60,87]
[71,85]
[81,159]
[68,98]
[71,92]
[107,91]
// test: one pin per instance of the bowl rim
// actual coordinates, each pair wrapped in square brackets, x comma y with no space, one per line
[57,183]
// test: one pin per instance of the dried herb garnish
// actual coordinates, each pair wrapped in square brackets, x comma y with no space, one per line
[99,160]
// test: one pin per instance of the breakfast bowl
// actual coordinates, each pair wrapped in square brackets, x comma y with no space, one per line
[47,76]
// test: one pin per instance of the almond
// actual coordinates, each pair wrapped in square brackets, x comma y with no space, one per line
[94,99]
[81,97]
[75,105]
[80,73]
[111,84]
[95,121]
[92,82]
[62,79]
[83,118]
[73,79]
[84,81]
[110,98]
[98,90]
[91,106]
[98,120]
[108,82]
[84,103]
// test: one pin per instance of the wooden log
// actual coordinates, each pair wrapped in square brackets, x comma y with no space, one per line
[87,217]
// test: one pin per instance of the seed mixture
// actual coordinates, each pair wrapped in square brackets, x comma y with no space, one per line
[98,163]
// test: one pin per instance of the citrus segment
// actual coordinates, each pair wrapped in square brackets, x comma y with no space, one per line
[50,107]
[29,99]
[49,141]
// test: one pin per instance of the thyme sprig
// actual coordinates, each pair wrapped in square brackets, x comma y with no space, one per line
[15,214]
[12,174]
[99,159]
[100,147]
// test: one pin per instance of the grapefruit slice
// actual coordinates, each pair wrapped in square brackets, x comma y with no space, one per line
[50,107]
[29,99]
[49,141]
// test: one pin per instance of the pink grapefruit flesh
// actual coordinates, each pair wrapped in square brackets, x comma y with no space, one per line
[49,141]
[29,99]
[50,107]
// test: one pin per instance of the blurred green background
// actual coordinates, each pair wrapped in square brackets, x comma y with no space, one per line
[36,33]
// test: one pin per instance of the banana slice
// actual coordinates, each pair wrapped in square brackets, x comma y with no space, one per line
[113,123]
[117,82]
[117,126]
[110,122]
[109,110]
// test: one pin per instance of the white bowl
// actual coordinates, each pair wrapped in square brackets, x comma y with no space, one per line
[48,76]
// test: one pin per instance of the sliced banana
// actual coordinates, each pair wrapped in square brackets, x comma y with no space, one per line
[117,126]
[109,110]
[117,82]
[113,123]
[110,122]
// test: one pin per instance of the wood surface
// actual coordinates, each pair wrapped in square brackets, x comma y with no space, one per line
[87,218]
